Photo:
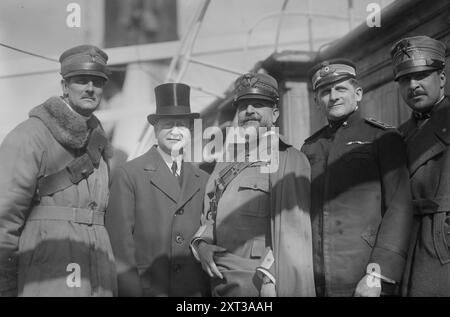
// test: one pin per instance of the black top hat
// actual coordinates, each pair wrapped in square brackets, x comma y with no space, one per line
[172,99]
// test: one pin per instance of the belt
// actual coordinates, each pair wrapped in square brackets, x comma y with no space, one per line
[424,207]
[427,206]
[77,215]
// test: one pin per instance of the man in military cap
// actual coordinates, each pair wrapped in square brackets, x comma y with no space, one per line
[255,238]
[360,203]
[155,207]
[419,70]
[54,190]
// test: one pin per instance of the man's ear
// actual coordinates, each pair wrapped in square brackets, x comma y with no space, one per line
[275,114]
[359,93]
[64,87]
[316,97]
[443,78]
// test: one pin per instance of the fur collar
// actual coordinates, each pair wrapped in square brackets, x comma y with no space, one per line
[69,128]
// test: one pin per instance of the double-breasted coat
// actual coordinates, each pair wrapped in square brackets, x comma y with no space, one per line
[361,205]
[151,221]
[42,254]
[428,149]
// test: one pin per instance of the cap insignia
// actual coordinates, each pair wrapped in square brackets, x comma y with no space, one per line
[248,81]
[326,70]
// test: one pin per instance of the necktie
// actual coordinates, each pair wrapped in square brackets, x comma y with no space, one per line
[174,169]
[174,172]
[419,116]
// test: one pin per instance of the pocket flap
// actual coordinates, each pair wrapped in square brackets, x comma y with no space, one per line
[255,182]
[258,248]
[370,235]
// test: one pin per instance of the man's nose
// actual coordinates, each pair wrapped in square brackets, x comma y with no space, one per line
[90,86]
[333,94]
[413,83]
[176,129]
[250,109]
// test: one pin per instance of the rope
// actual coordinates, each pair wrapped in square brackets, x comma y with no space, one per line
[29,53]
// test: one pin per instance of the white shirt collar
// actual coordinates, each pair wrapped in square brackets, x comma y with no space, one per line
[71,109]
[169,160]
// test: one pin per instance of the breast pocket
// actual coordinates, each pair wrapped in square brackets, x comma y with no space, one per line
[254,196]
[361,156]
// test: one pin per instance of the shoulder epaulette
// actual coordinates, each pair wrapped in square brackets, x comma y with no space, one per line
[315,134]
[379,124]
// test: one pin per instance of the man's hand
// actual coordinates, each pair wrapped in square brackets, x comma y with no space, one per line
[267,288]
[369,286]
[206,255]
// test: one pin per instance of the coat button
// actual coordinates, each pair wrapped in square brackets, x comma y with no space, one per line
[180,212]
[179,238]
[177,268]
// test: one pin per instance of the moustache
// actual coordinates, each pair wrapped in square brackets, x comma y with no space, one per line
[252,118]
[416,93]
[177,137]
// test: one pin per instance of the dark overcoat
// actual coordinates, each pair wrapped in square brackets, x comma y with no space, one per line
[428,267]
[151,221]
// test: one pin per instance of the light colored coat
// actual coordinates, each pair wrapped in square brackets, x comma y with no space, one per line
[38,257]
[281,200]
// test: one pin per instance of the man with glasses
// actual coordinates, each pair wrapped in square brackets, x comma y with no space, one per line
[155,207]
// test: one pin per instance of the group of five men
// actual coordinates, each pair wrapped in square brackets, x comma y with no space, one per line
[361,210]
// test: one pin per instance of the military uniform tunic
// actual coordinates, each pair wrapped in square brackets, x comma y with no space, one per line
[241,226]
[360,203]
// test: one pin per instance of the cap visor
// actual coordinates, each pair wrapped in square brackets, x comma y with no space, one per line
[414,69]
[255,96]
[86,72]
[334,79]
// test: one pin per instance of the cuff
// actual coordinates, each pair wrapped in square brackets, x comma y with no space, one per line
[262,272]
[194,246]
[264,269]
[375,270]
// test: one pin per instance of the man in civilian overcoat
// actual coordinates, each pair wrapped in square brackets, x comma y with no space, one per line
[155,207]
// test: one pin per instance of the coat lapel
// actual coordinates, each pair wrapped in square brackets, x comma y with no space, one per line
[190,185]
[160,175]
[432,139]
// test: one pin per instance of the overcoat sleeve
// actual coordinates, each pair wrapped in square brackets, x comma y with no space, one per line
[21,156]
[119,222]
[393,234]
[206,230]
[291,225]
